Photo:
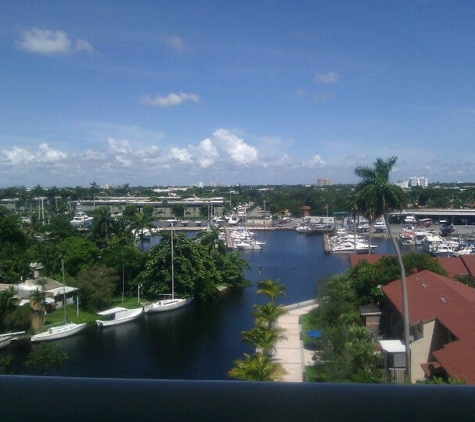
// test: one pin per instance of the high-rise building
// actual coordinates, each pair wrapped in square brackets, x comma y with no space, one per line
[324,182]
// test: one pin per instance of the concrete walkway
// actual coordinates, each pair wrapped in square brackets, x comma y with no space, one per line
[290,353]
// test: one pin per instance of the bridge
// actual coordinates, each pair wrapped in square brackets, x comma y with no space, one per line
[454,216]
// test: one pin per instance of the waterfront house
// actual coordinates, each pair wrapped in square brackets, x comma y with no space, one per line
[441,315]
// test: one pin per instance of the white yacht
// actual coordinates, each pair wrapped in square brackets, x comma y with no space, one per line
[431,241]
[81,220]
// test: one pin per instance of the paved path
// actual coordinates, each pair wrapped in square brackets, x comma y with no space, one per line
[290,353]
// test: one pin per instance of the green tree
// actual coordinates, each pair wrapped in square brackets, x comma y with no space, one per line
[96,286]
[376,193]
[195,270]
[46,357]
[267,315]
[211,240]
[264,338]
[78,253]
[19,319]
[271,288]
[102,224]
[140,223]
[7,305]
[257,367]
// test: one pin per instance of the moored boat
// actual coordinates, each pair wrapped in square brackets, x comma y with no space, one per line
[81,220]
[7,338]
[59,332]
[172,303]
[118,315]
[167,305]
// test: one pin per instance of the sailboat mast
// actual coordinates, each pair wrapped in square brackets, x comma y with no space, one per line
[64,292]
[173,268]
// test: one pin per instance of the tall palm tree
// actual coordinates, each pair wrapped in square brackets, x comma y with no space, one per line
[271,288]
[102,225]
[376,193]
[140,223]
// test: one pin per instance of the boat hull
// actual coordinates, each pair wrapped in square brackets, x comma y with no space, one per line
[167,305]
[130,315]
[58,333]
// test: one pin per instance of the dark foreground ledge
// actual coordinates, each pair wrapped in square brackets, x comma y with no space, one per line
[57,398]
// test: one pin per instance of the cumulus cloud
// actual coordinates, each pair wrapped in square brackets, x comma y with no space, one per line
[44,155]
[206,153]
[328,78]
[48,155]
[171,100]
[181,154]
[237,149]
[18,156]
[119,146]
[316,160]
[47,42]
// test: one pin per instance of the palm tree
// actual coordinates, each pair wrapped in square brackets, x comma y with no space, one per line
[264,339]
[271,288]
[257,367]
[376,193]
[210,239]
[140,223]
[102,224]
[266,315]
[121,231]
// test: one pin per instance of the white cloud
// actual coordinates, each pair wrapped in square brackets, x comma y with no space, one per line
[328,78]
[44,155]
[18,156]
[316,160]
[171,100]
[48,155]
[119,146]
[206,153]
[181,154]
[94,155]
[45,41]
[174,42]
[83,45]
[237,149]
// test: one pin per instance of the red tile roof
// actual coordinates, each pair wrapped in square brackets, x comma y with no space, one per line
[432,296]
[453,266]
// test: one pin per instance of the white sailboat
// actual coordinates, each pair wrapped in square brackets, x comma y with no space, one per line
[61,331]
[118,315]
[6,339]
[172,303]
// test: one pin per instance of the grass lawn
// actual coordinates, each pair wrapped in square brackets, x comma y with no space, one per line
[57,316]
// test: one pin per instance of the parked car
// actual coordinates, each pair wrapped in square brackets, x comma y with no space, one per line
[446,229]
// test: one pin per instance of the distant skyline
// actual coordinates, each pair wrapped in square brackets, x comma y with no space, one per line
[249,92]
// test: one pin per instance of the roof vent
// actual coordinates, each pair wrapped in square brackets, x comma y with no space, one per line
[442,299]
[424,285]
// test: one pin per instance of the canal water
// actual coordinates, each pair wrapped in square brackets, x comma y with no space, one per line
[201,341]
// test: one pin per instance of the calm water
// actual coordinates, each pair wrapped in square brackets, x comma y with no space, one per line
[203,340]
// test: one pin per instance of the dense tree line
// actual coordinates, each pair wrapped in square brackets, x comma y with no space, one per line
[106,261]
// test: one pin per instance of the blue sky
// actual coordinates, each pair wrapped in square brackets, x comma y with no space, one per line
[251,92]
